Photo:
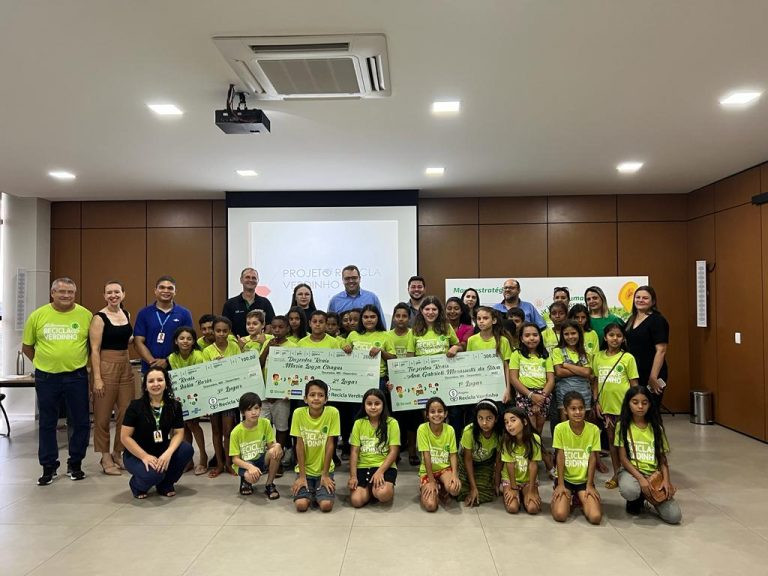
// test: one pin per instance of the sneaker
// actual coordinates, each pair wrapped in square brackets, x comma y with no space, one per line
[48,475]
[287,458]
[75,472]
[634,507]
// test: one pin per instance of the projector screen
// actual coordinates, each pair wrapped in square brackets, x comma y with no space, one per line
[310,245]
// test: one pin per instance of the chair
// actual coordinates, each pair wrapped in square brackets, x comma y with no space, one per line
[5,414]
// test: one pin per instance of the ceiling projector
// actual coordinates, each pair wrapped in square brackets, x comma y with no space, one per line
[240,120]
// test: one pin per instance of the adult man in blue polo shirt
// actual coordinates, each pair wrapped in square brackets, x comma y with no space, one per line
[511,293]
[353,297]
[156,323]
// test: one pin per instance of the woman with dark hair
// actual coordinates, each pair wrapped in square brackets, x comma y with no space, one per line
[303,298]
[458,317]
[153,436]
[599,314]
[647,338]
[471,300]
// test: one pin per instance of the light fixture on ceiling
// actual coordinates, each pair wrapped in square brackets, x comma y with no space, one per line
[629,167]
[435,171]
[247,173]
[446,107]
[61,175]
[740,98]
[165,109]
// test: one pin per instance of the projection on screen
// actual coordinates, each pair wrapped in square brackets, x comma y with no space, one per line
[290,246]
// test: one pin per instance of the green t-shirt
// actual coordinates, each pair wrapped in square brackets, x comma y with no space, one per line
[432,343]
[202,344]
[60,339]
[315,432]
[611,395]
[250,443]
[402,343]
[558,359]
[599,324]
[372,454]
[176,361]
[212,352]
[439,447]
[326,342]
[532,371]
[476,342]
[550,338]
[521,462]
[576,449]
[294,339]
[645,444]
[368,340]
[486,447]
[591,342]
[254,345]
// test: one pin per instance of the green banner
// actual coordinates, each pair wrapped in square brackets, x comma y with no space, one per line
[348,376]
[464,379]
[215,386]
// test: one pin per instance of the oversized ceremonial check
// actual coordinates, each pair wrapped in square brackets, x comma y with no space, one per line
[466,378]
[348,376]
[215,386]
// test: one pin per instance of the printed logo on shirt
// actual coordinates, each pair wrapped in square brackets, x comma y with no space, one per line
[369,445]
[61,332]
[605,374]
[440,455]
[314,438]
[252,450]
[533,369]
[576,457]
[429,346]
[645,451]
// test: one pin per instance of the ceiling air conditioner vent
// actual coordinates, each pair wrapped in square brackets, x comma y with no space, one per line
[308,67]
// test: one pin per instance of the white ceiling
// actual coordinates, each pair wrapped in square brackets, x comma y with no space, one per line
[554,94]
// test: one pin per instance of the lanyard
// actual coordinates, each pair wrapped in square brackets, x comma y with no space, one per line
[162,322]
[157,413]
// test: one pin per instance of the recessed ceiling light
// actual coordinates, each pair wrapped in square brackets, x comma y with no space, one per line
[446,107]
[61,175]
[629,167]
[435,171]
[740,98]
[247,173]
[165,109]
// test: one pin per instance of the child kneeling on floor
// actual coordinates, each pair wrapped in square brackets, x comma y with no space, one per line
[253,448]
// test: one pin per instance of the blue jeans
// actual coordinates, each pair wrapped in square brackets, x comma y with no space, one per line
[142,479]
[73,388]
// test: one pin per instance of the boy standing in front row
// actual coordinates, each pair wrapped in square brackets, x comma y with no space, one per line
[315,426]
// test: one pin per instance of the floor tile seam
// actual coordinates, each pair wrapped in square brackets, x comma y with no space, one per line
[488,544]
[634,549]
[722,510]
[223,525]
[346,544]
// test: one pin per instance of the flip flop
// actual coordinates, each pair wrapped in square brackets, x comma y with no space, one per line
[200,469]
[612,483]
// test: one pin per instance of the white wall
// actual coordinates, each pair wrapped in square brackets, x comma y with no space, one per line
[25,243]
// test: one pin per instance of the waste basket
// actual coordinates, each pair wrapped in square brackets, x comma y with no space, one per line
[702,411]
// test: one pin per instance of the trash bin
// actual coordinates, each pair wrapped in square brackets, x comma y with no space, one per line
[702,409]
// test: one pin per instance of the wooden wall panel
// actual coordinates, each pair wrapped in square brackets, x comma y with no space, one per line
[701,202]
[581,209]
[65,215]
[740,309]
[764,246]
[658,249]
[116,254]
[447,252]
[513,250]
[581,249]
[703,341]
[219,269]
[520,210]
[114,214]
[166,214]
[185,254]
[65,256]
[737,189]
[651,207]
[219,208]
[447,211]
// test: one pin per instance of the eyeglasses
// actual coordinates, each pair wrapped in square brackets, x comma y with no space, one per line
[507,287]
[561,289]
[350,279]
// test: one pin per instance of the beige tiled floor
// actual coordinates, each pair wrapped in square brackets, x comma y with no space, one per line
[95,527]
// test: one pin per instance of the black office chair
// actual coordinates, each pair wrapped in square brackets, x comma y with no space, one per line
[5,414]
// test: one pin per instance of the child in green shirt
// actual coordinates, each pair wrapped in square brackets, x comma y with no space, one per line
[480,472]
[253,448]
[315,426]
[439,462]
[520,457]
[254,325]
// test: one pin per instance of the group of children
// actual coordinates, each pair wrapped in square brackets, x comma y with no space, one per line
[501,444]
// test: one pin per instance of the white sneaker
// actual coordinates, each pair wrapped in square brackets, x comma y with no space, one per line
[287,458]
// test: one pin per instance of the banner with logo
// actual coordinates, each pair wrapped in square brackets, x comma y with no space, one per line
[466,378]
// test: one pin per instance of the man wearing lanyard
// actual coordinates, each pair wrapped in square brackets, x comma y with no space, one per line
[155,325]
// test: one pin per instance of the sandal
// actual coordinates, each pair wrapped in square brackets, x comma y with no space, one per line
[200,469]
[117,458]
[612,483]
[140,495]
[110,469]
[271,491]
[215,472]
[170,493]
[246,488]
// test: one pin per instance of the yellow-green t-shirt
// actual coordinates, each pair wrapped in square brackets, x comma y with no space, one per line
[315,433]
[612,385]
[558,359]
[401,343]
[521,462]
[644,444]
[532,371]
[550,338]
[60,339]
[576,449]
[432,343]
[294,339]
[202,344]
[254,345]
[591,342]
[250,443]
[326,342]
[372,453]
[485,449]
[476,342]
[368,340]
[212,352]
[176,361]
[439,447]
